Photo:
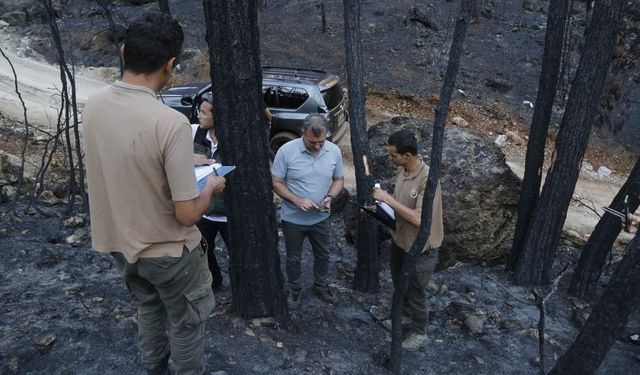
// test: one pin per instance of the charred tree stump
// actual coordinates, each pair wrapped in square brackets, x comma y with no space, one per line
[594,254]
[234,52]
[441,112]
[538,252]
[552,56]
[609,316]
[366,276]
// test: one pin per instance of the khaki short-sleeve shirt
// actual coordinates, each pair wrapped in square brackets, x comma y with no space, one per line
[139,160]
[409,191]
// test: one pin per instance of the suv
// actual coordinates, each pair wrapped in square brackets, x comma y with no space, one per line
[290,94]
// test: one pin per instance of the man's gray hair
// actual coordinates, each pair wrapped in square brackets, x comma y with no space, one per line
[316,123]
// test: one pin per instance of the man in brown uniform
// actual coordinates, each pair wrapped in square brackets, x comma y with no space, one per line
[144,198]
[406,201]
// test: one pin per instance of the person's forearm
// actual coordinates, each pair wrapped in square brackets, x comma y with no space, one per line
[284,193]
[336,187]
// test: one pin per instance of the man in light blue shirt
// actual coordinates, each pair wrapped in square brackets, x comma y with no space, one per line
[308,174]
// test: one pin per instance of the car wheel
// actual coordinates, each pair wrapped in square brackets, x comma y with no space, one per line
[281,138]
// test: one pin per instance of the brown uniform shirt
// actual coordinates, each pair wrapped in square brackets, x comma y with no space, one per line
[139,159]
[409,191]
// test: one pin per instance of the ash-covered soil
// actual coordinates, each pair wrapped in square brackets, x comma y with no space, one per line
[64,310]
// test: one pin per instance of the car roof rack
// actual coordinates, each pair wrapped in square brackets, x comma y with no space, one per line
[317,77]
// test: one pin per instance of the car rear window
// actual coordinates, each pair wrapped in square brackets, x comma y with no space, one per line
[332,96]
[291,97]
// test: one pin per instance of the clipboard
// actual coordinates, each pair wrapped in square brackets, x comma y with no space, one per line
[216,169]
[381,213]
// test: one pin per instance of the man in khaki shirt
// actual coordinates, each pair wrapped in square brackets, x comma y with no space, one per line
[144,200]
[406,201]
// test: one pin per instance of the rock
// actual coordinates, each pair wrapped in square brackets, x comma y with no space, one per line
[478,359]
[460,122]
[377,313]
[635,339]
[48,198]
[74,222]
[415,15]
[531,6]
[460,310]
[586,166]
[515,138]
[10,167]
[77,238]
[3,24]
[473,325]
[479,190]
[501,140]
[573,236]
[15,17]
[499,84]
[45,340]
[7,193]
[604,171]
[535,361]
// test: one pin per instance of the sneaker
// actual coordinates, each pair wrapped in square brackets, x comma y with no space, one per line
[325,293]
[405,321]
[413,341]
[293,299]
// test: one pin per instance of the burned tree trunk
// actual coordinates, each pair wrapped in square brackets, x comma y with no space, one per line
[366,277]
[115,38]
[552,56]
[71,120]
[164,6]
[538,252]
[609,316]
[234,50]
[594,254]
[441,112]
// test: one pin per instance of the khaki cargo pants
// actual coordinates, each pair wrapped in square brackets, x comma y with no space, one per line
[414,304]
[174,299]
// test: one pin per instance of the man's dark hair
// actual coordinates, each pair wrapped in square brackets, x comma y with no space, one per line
[404,141]
[150,41]
[316,123]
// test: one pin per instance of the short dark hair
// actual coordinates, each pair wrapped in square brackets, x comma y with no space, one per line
[150,41]
[404,141]
[316,123]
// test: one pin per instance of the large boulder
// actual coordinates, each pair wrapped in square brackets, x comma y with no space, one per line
[480,192]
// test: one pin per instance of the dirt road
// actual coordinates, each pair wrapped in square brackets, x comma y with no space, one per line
[39,85]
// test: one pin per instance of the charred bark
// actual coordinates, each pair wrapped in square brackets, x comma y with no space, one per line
[609,316]
[115,38]
[234,51]
[441,112]
[551,58]
[593,256]
[366,276]
[70,120]
[538,252]
[164,6]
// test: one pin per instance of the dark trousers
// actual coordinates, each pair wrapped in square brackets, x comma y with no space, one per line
[319,236]
[210,230]
[414,304]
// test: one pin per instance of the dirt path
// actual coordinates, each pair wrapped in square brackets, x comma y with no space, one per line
[39,85]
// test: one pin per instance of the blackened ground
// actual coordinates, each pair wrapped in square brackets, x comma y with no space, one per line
[64,310]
